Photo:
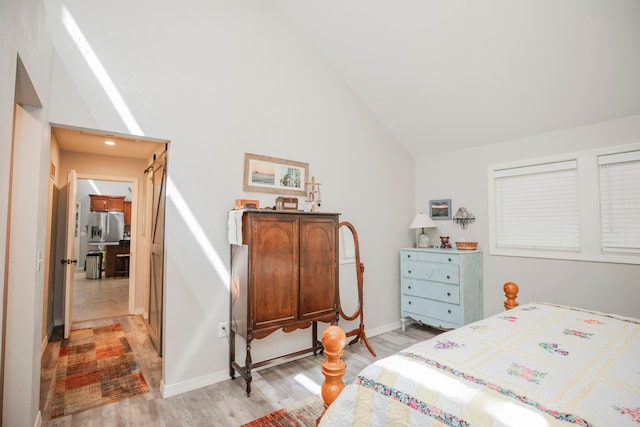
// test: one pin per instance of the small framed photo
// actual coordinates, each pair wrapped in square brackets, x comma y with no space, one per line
[271,175]
[440,209]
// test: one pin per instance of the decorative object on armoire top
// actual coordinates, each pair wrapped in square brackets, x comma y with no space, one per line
[247,204]
[286,203]
[463,218]
[444,242]
[313,195]
[422,221]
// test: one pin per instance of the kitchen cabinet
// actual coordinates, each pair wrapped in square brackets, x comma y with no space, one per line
[440,287]
[283,276]
[97,203]
[101,203]
[111,258]
[115,203]
[127,212]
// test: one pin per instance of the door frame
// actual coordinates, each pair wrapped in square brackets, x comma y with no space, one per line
[134,229]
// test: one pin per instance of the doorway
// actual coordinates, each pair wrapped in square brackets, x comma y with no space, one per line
[101,167]
[102,290]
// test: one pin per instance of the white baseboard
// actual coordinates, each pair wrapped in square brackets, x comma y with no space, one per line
[142,312]
[216,377]
[193,384]
[38,421]
[383,329]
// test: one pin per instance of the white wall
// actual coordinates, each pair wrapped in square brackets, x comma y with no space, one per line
[23,32]
[241,79]
[462,177]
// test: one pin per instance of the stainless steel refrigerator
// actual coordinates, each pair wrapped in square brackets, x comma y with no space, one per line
[106,228]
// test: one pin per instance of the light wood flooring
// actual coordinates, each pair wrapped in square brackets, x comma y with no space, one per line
[98,298]
[221,404]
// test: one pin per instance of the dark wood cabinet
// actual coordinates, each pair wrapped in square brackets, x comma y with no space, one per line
[111,267]
[283,276]
[97,203]
[115,203]
[100,203]
[127,212]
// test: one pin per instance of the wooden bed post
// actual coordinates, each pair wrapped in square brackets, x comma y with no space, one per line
[333,339]
[511,292]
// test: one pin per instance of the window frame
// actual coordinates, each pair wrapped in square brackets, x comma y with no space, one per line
[591,246]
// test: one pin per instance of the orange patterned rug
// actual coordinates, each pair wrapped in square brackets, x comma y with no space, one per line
[300,414]
[96,366]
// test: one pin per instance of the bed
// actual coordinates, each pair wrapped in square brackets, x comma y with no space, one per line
[537,364]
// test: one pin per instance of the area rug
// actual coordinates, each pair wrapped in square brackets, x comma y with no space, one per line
[301,414]
[95,367]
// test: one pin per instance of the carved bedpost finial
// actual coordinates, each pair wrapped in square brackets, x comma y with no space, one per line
[511,292]
[333,339]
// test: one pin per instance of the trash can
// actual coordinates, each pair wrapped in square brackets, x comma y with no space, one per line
[94,265]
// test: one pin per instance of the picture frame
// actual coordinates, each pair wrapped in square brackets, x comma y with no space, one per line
[440,209]
[272,175]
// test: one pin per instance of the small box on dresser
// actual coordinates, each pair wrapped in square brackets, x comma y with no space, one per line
[440,287]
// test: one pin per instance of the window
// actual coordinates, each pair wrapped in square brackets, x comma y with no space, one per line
[537,207]
[620,202]
[583,206]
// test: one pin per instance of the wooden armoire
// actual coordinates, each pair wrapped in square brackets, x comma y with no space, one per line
[283,276]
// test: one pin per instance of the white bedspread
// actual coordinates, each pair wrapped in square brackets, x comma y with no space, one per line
[535,365]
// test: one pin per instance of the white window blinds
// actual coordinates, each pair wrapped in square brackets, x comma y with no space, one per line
[537,207]
[620,201]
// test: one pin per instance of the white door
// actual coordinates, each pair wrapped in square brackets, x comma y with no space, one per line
[70,251]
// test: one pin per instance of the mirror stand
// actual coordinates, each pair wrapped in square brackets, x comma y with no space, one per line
[358,332]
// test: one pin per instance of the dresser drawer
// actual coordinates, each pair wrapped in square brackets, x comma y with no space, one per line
[428,271]
[432,290]
[431,308]
[444,257]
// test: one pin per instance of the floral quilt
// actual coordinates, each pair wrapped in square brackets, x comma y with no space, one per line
[535,365]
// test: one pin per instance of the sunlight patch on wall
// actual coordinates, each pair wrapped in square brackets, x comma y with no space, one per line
[198,233]
[99,71]
[95,188]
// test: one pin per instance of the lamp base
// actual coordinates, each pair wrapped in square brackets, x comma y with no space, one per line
[423,240]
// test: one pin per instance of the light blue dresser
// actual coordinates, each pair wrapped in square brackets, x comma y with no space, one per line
[440,287]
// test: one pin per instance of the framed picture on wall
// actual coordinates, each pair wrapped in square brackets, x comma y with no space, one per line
[271,175]
[440,209]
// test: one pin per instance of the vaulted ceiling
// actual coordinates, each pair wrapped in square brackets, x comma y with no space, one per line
[450,74]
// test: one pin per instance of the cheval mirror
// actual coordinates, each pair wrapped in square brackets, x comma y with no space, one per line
[351,282]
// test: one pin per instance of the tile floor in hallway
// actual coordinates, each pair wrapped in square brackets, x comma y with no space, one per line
[99,298]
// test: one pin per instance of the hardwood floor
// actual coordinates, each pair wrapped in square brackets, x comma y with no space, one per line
[221,404]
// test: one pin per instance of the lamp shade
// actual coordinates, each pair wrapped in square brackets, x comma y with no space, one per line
[422,221]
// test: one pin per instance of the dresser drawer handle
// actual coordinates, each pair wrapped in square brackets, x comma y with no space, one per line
[408,255]
[448,277]
[448,293]
[449,311]
[449,259]
[409,286]
[409,302]
[409,271]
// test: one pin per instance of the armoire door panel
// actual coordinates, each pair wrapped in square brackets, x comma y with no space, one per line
[317,273]
[275,271]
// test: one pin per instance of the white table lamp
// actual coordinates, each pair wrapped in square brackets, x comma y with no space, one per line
[422,221]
